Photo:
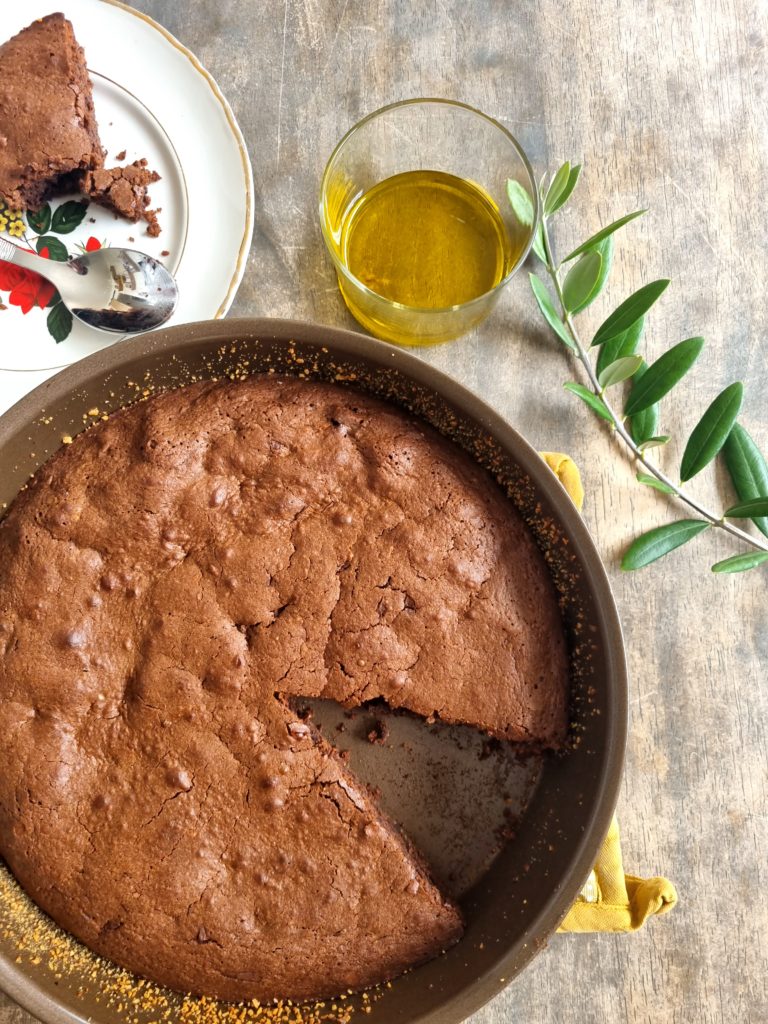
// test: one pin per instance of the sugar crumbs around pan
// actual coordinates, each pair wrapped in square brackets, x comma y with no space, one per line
[37,940]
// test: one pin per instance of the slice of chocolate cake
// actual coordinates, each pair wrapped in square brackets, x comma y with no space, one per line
[124,190]
[49,138]
[48,130]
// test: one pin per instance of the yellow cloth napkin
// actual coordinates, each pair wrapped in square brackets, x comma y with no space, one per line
[610,901]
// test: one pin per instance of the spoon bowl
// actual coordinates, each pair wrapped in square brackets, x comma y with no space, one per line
[116,290]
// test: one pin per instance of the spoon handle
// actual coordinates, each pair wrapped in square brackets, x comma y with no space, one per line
[29,261]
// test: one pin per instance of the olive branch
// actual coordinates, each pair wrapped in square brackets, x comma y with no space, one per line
[577,280]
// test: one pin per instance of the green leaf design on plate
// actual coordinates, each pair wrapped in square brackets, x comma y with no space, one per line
[549,312]
[709,434]
[747,468]
[661,376]
[630,310]
[68,216]
[39,220]
[651,481]
[622,345]
[598,236]
[569,186]
[621,369]
[605,248]
[59,322]
[556,189]
[660,541]
[56,248]
[748,509]
[591,399]
[740,563]
[581,281]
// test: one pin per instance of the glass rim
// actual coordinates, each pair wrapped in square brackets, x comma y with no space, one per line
[534,193]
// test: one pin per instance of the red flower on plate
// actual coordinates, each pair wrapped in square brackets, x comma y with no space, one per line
[92,244]
[27,289]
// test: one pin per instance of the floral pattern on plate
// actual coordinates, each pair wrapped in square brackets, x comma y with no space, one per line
[40,231]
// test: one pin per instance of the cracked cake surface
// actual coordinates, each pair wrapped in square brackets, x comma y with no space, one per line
[48,130]
[168,582]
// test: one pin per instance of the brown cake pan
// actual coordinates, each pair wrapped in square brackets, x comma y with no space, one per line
[512,834]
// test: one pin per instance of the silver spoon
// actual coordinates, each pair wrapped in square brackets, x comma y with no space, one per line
[111,289]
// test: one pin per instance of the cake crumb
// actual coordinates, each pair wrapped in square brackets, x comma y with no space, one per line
[379,734]
[121,155]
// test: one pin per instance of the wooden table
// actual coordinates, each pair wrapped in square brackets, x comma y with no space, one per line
[666,106]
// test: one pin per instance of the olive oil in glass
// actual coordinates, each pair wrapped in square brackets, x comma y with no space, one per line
[422,255]
[426,239]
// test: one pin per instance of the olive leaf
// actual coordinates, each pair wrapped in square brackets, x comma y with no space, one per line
[623,344]
[549,312]
[581,281]
[630,310]
[709,434]
[565,194]
[748,509]
[619,370]
[653,442]
[522,207]
[591,399]
[617,340]
[556,189]
[598,236]
[605,249]
[661,376]
[643,425]
[652,481]
[747,468]
[660,541]
[739,563]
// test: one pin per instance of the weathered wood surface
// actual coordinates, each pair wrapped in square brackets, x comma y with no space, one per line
[665,103]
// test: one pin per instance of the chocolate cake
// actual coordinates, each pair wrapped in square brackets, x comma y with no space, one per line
[169,584]
[48,130]
[49,138]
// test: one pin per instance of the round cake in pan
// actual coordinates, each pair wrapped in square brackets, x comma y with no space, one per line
[169,584]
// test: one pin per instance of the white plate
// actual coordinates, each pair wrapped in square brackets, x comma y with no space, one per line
[153,99]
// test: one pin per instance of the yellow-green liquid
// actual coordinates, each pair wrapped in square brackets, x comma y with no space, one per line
[427,239]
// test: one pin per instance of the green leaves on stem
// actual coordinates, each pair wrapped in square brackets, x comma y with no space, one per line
[656,543]
[619,370]
[580,285]
[748,509]
[661,376]
[591,399]
[711,431]
[747,469]
[549,312]
[617,340]
[523,209]
[631,309]
[739,563]
[593,240]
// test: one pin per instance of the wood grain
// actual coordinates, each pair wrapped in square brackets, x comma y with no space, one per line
[665,103]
